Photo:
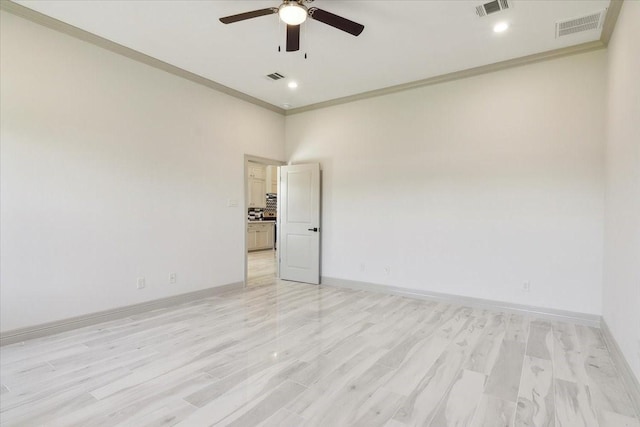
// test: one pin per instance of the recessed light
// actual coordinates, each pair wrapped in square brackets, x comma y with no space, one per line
[286,105]
[500,27]
[292,85]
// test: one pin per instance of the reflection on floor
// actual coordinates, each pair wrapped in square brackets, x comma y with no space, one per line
[261,267]
[292,354]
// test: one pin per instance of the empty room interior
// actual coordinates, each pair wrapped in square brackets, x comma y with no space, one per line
[306,213]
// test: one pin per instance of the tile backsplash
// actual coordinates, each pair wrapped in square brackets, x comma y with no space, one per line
[272,204]
[271,211]
[255,214]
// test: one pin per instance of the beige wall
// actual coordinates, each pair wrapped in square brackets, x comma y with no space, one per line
[621,292]
[471,187]
[112,170]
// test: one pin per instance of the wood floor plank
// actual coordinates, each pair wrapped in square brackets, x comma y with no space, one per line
[504,380]
[422,403]
[166,415]
[568,357]
[319,398]
[540,342]
[283,418]
[573,405]
[606,386]
[494,412]
[250,416]
[287,354]
[459,404]
[420,360]
[484,356]
[351,401]
[536,405]
[145,400]
[517,328]
[45,410]
[607,390]
[612,419]
[378,409]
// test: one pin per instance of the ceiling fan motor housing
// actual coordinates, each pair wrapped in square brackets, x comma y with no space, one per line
[294,13]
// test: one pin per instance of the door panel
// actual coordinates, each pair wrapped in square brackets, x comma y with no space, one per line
[299,251]
[299,205]
[299,216]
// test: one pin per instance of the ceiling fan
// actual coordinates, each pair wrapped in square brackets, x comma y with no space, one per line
[294,13]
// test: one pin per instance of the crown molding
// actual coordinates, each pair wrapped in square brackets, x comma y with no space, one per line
[607,30]
[63,27]
[443,78]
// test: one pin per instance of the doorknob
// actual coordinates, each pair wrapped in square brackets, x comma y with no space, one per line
[314,229]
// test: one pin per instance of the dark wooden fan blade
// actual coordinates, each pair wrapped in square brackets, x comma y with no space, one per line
[248,15]
[336,21]
[293,38]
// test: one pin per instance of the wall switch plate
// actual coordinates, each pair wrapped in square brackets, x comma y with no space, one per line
[526,286]
[232,203]
[141,283]
[173,278]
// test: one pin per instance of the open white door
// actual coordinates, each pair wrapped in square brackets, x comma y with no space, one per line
[299,223]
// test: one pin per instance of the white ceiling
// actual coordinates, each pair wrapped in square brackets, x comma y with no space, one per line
[403,41]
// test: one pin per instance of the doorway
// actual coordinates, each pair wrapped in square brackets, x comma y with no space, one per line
[260,215]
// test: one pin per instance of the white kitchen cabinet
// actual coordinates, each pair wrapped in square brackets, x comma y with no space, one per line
[260,235]
[257,171]
[257,193]
[272,179]
[257,187]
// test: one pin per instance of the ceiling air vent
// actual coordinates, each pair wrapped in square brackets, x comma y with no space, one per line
[275,76]
[493,7]
[578,25]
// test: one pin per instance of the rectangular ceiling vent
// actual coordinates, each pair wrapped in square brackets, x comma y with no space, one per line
[493,7]
[578,25]
[275,76]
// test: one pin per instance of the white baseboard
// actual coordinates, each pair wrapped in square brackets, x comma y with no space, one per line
[542,312]
[628,377]
[45,329]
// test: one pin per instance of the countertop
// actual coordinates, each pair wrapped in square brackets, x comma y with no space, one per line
[256,221]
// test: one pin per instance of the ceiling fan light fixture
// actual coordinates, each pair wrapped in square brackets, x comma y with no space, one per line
[292,13]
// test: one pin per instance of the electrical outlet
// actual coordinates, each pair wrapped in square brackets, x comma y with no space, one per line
[173,278]
[526,287]
[141,283]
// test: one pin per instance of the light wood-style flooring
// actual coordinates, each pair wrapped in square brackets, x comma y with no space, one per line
[289,354]
[261,267]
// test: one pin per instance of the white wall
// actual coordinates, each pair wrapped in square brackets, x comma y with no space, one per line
[113,170]
[471,187]
[621,290]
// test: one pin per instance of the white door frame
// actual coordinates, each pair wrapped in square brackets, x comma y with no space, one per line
[245,206]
